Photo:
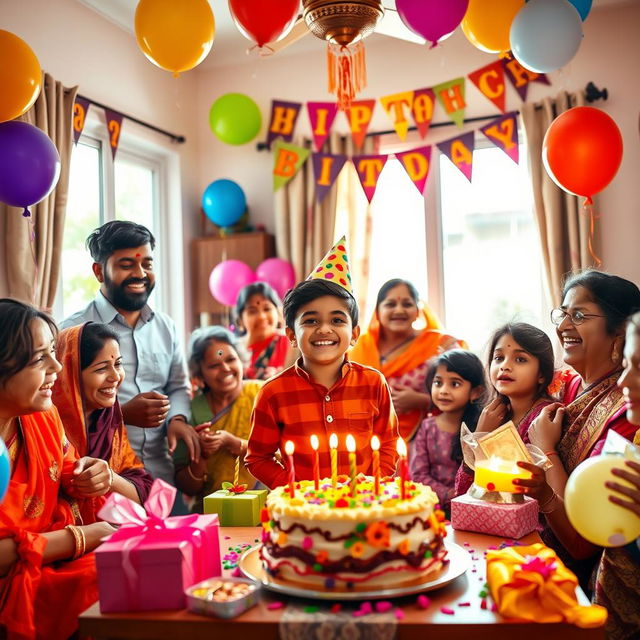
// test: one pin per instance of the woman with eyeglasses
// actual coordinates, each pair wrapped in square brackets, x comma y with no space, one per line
[591,328]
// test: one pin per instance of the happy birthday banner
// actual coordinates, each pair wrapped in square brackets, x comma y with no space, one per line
[113,120]
[419,106]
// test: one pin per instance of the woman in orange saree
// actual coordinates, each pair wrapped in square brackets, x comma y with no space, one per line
[85,395]
[48,524]
[400,352]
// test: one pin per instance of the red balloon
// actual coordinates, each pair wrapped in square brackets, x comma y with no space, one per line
[264,20]
[582,150]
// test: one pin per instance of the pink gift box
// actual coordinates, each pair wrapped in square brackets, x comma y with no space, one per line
[506,520]
[152,558]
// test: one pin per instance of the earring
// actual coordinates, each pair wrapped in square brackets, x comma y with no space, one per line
[615,354]
[293,344]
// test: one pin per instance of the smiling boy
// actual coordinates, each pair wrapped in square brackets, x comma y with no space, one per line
[323,392]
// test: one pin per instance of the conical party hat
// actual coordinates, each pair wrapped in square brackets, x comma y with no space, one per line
[334,267]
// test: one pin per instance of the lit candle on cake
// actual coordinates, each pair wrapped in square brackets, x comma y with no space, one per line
[315,443]
[333,450]
[375,449]
[401,448]
[351,448]
[289,449]
[496,474]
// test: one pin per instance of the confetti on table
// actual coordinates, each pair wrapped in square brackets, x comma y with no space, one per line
[383,606]
[398,613]
[464,604]
[423,602]
[272,606]
[494,607]
[483,603]
[311,608]
[366,607]
[335,608]
[466,544]
[447,611]
[227,537]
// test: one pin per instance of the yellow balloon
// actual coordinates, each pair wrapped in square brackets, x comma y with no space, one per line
[20,76]
[176,35]
[587,503]
[487,23]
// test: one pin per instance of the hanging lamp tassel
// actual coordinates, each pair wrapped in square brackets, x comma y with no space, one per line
[588,208]
[347,72]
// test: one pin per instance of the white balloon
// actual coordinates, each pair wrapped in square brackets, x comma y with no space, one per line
[546,34]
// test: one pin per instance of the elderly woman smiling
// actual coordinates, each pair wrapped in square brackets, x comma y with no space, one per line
[220,413]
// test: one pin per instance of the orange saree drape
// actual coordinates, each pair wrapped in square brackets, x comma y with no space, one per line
[111,445]
[427,344]
[38,600]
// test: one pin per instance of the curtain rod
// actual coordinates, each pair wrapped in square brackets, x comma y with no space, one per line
[173,136]
[592,93]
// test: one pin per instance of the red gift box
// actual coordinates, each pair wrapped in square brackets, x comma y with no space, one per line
[506,520]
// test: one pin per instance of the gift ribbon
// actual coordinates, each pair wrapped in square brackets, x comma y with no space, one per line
[151,524]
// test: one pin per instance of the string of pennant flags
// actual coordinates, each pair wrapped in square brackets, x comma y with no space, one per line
[419,105]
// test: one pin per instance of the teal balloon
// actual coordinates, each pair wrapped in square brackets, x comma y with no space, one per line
[235,118]
[583,7]
[224,202]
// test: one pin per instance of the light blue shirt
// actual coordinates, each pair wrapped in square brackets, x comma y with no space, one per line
[153,361]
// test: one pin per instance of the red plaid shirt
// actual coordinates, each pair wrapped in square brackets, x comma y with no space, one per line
[291,406]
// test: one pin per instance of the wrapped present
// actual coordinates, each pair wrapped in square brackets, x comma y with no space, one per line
[151,559]
[507,520]
[236,509]
[531,583]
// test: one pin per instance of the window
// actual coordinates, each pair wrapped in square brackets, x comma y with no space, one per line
[471,249]
[140,186]
[491,261]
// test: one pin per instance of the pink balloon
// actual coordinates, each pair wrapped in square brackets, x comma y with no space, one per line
[278,273]
[432,19]
[227,278]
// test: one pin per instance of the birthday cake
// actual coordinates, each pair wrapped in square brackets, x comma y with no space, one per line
[328,539]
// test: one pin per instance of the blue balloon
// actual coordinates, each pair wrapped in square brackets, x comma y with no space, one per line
[5,469]
[224,202]
[583,7]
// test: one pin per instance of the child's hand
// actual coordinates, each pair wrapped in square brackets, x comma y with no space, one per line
[536,486]
[92,477]
[634,494]
[405,399]
[546,429]
[492,415]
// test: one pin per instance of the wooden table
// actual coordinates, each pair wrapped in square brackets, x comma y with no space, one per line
[418,624]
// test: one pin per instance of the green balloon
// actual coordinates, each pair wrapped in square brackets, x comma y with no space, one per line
[235,118]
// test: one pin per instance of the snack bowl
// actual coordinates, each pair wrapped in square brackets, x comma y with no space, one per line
[222,597]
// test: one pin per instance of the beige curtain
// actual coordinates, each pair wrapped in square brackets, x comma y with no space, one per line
[33,262]
[562,222]
[305,230]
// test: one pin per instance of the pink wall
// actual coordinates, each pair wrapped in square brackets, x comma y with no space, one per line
[607,56]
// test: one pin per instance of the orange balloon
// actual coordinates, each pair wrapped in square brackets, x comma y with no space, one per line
[176,35]
[20,76]
[582,150]
[487,23]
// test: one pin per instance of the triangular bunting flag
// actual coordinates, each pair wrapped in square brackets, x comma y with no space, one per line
[283,120]
[460,151]
[520,77]
[80,108]
[451,96]
[490,82]
[326,168]
[503,132]
[287,160]
[359,115]
[397,105]
[334,266]
[422,110]
[321,117]
[114,125]
[369,169]
[417,163]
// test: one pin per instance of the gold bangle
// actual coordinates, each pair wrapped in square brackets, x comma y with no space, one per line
[201,478]
[83,542]
[78,539]
[541,507]
[110,478]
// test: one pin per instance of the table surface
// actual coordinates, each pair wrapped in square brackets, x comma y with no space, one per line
[260,622]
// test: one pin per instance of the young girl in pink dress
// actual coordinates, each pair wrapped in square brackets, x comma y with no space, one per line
[456,383]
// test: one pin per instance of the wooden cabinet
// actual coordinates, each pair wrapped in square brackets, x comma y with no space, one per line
[252,248]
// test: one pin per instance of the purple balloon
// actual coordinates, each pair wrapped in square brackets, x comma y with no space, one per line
[29,164]
[432,19]
[227,278]
[278,273]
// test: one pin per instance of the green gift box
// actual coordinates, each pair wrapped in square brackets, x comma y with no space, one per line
[236,509]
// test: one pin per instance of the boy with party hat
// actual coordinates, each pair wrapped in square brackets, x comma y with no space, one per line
[323,392]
